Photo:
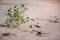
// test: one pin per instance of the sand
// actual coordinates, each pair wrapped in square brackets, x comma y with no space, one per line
[24,32]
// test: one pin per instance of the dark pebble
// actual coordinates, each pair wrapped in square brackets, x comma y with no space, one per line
[37,26]
[6,34]
[38,33]
[34,30]
[30,26]
[55,21]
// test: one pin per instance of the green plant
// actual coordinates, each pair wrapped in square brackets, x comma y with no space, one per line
[16,17]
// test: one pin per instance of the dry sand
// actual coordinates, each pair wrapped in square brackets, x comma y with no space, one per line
[43,11]
[24,31]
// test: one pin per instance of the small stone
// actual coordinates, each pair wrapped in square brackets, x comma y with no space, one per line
[38,33]
[35,30]
[6,34]
[55,21]
[32,19]
[42,34]
[30,26]
[1,25]
[37,26]
[37,22]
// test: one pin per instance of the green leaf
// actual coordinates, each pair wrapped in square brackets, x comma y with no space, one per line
[9,14]
[16,16]
[15,7]
[22,5]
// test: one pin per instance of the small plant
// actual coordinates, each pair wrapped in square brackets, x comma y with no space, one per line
[16,17]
